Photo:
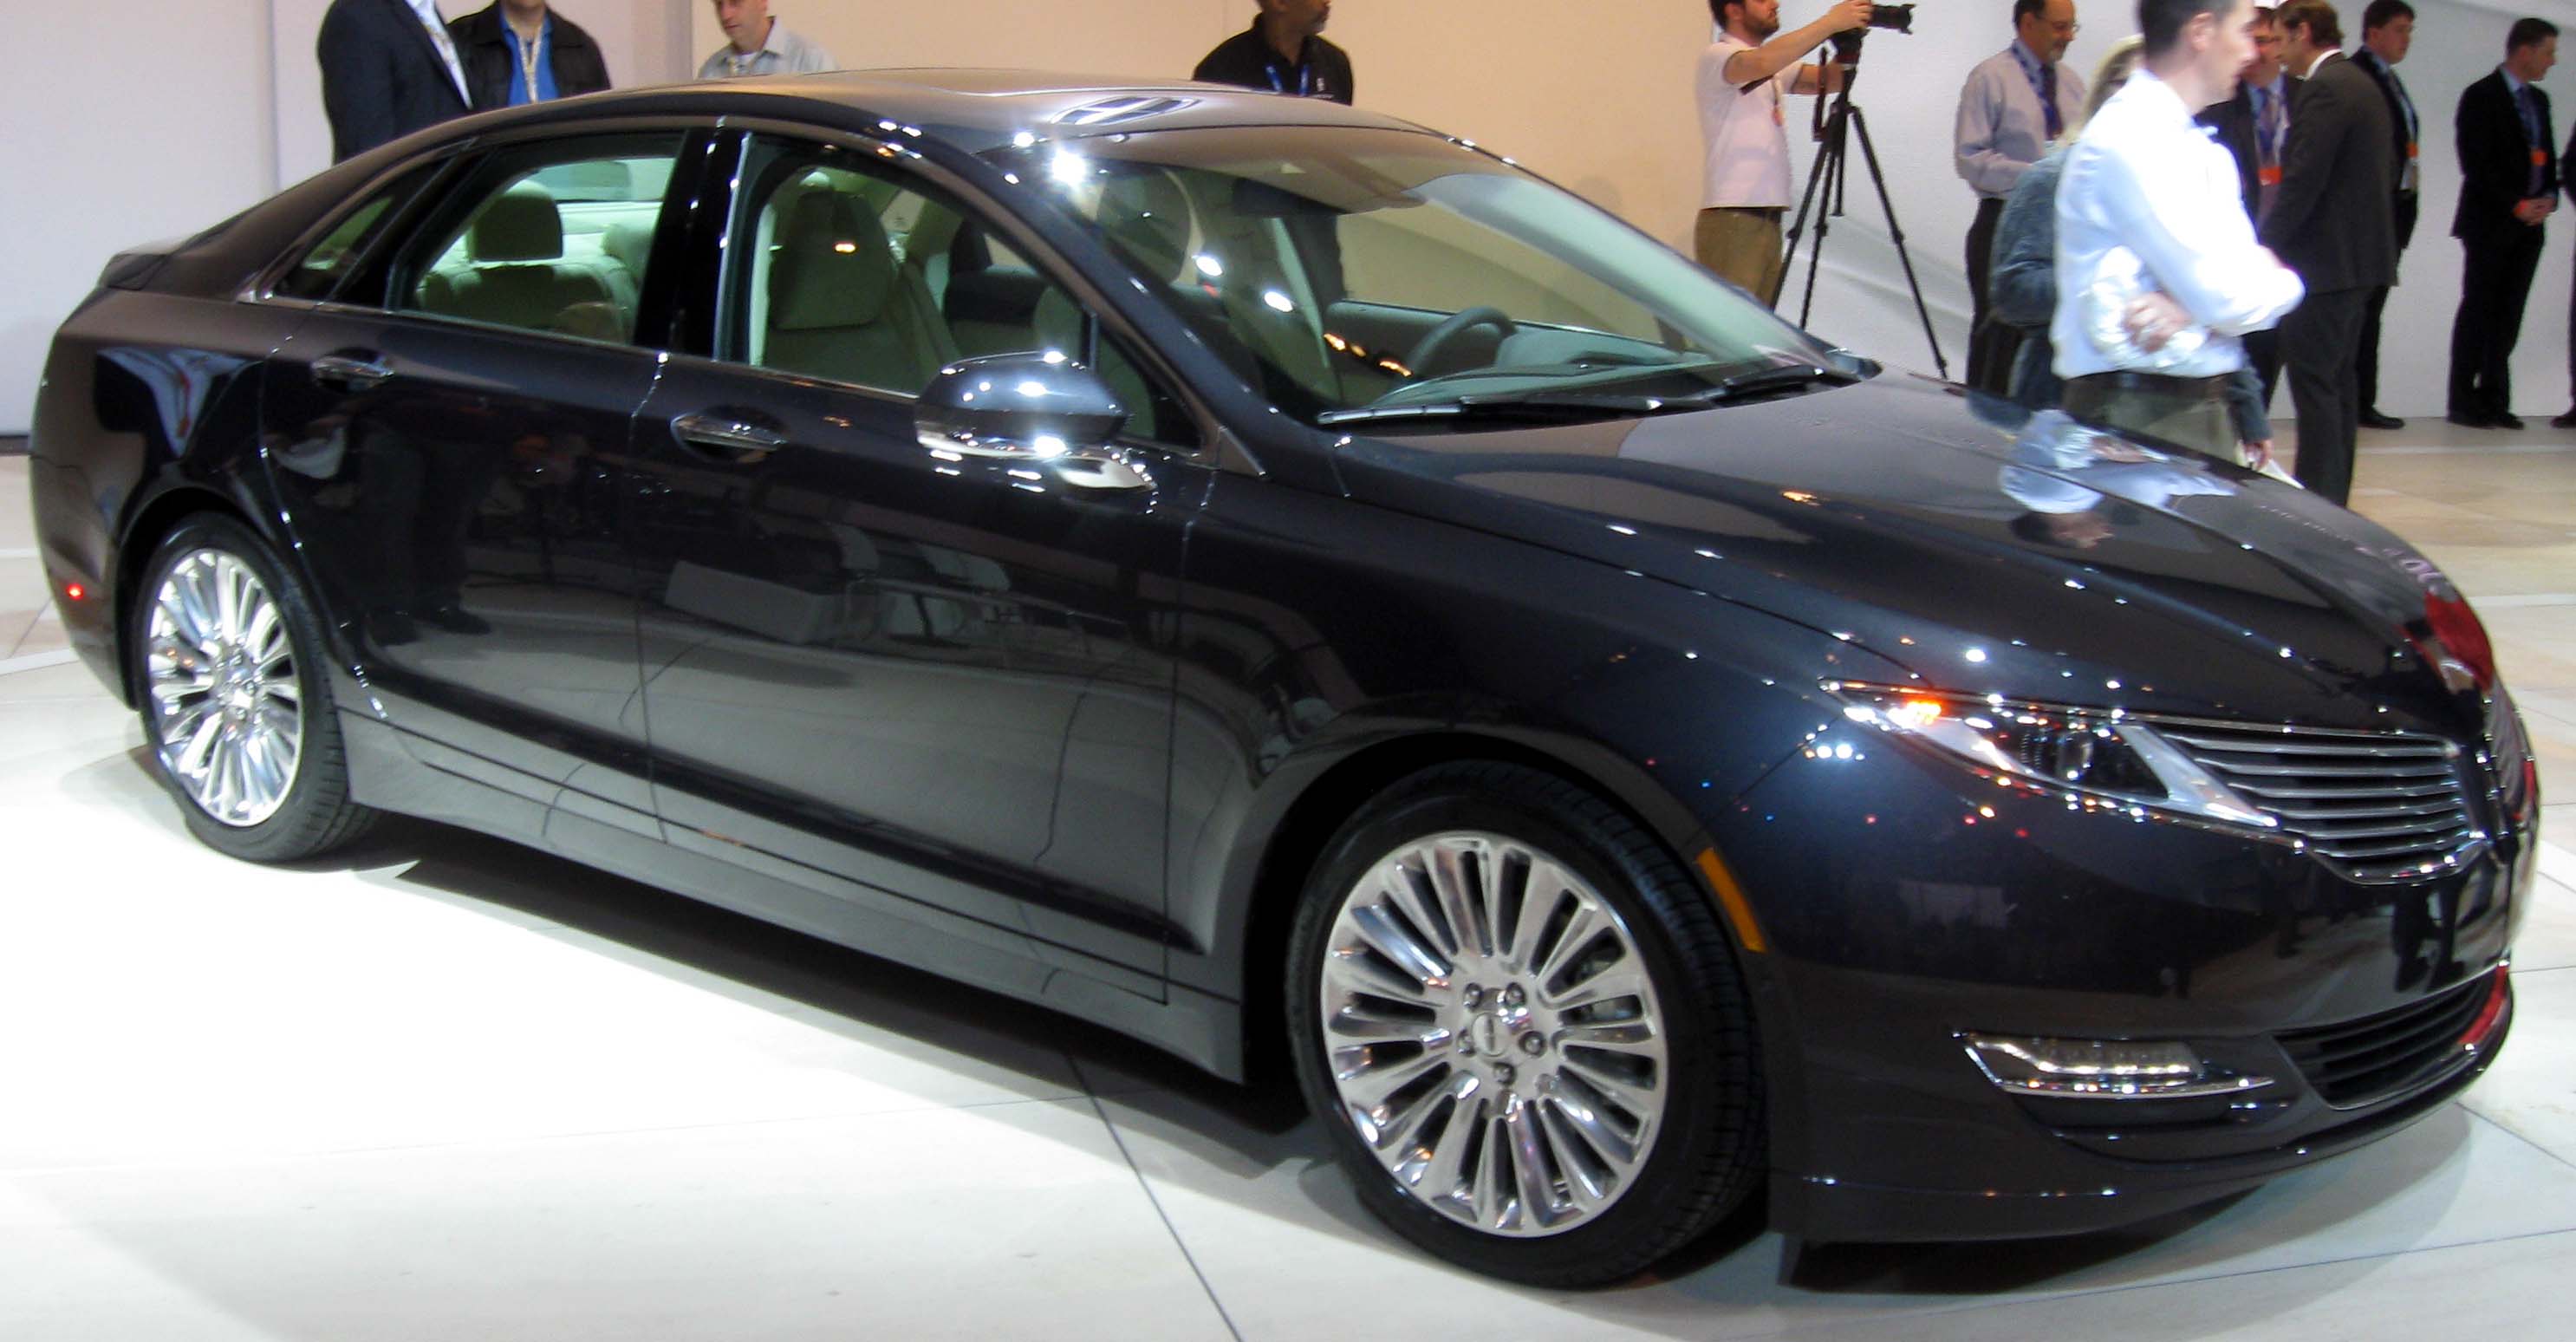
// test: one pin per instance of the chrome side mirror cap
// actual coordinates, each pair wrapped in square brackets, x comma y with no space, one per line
[1043,409]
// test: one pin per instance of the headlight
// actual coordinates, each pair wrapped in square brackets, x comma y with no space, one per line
[2088,754]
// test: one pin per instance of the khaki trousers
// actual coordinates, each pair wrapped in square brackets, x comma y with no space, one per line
[1743,247]
[2194,421]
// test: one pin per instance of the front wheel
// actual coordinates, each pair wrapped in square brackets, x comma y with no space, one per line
[1523,1028]
[235,700]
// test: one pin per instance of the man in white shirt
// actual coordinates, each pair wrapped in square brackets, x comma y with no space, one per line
[2145,186]
[2012,109]
[1742,81]
[388,69]
[758,44]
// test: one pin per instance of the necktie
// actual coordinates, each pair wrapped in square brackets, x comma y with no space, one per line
[446,49]
[2055,123]
[2267,150]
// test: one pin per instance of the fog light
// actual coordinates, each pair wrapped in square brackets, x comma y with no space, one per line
[2101,1069]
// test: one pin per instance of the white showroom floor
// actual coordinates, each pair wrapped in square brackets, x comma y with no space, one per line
[458,1090]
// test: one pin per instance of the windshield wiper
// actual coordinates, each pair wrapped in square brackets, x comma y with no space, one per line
[1504,407]
[1783,377]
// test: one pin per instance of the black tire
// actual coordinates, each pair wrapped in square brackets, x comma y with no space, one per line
[316,814]
[1707,1154]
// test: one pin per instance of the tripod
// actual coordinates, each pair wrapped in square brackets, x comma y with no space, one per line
[1828,177]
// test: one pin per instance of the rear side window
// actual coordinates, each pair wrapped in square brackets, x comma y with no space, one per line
[553,238]
[319,273]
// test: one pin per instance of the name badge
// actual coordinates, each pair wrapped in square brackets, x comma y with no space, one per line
[2268,176]
[2540,158]
[2410,149]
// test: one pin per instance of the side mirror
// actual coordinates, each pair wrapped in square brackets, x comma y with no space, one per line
[1044,409]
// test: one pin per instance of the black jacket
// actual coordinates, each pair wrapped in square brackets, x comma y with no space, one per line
[2392,92]
[2231,123]
[2495,162]
[2333,219]
[483,45]
[382,77]
[1246,60]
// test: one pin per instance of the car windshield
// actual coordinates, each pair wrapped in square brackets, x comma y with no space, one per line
[1356,274]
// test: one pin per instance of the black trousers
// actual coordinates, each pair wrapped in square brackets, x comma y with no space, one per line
[2318,340]
[2495,281]
[2366,363]
[1991,344]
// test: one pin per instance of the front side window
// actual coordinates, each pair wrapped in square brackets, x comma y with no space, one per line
[1348,272]
[858,274]
[553,238]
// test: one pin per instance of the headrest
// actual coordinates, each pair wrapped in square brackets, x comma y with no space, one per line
[630,243]
[835,267]
[1147,216]
[521,225]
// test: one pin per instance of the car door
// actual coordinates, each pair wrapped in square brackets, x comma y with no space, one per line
[935,684]
[450,435]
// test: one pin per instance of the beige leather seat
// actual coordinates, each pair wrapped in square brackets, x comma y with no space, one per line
[841,307]
[1146,217]
[517,275]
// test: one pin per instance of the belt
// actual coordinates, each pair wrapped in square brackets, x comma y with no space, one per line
[2187,388]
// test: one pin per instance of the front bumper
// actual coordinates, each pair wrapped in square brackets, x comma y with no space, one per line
[1905,912]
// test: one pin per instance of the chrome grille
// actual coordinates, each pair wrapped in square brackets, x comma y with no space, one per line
[2379,806]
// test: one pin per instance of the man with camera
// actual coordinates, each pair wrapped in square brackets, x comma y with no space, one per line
[2013,107]
[1743,81]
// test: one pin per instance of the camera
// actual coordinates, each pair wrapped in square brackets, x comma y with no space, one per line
[1894,18]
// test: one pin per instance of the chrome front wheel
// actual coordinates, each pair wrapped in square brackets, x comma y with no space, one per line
[1522,1027]
[1494,1035]
[227,702]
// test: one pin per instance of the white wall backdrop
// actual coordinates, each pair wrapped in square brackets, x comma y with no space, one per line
[209,105]
[174,114]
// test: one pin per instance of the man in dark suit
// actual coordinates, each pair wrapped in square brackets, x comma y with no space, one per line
[514,43]
[388,69]
[2332,222]
[2252,126]
[2508,187]
[2387,34]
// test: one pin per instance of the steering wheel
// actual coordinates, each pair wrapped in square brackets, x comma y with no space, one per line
[1432,340]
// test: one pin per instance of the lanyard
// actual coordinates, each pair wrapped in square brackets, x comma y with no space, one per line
[2031,71]
[529,54]
[1305,78]
[2277,102]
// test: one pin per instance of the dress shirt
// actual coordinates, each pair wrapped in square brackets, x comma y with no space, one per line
[783,54]
[2001,129]
[2145,177]
[428,12]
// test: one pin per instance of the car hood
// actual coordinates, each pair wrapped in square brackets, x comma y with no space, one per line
[1987,549]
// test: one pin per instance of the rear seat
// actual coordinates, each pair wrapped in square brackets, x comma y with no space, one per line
[516,274]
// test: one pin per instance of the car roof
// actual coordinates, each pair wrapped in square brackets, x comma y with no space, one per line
[972,109]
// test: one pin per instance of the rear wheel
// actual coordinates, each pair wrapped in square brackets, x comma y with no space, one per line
[236,703]
[1523,1028]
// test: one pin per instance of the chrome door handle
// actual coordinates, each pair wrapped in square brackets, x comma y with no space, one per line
[349,372]
[726,435]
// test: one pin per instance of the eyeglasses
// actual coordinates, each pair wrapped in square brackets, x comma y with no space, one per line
[2067,29]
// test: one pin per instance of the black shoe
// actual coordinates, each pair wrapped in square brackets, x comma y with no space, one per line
[2565,421]
[453,619]
[2468,421]
[2504,419]
[2372,419]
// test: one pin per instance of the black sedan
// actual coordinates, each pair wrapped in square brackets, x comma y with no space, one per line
[1302,591]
